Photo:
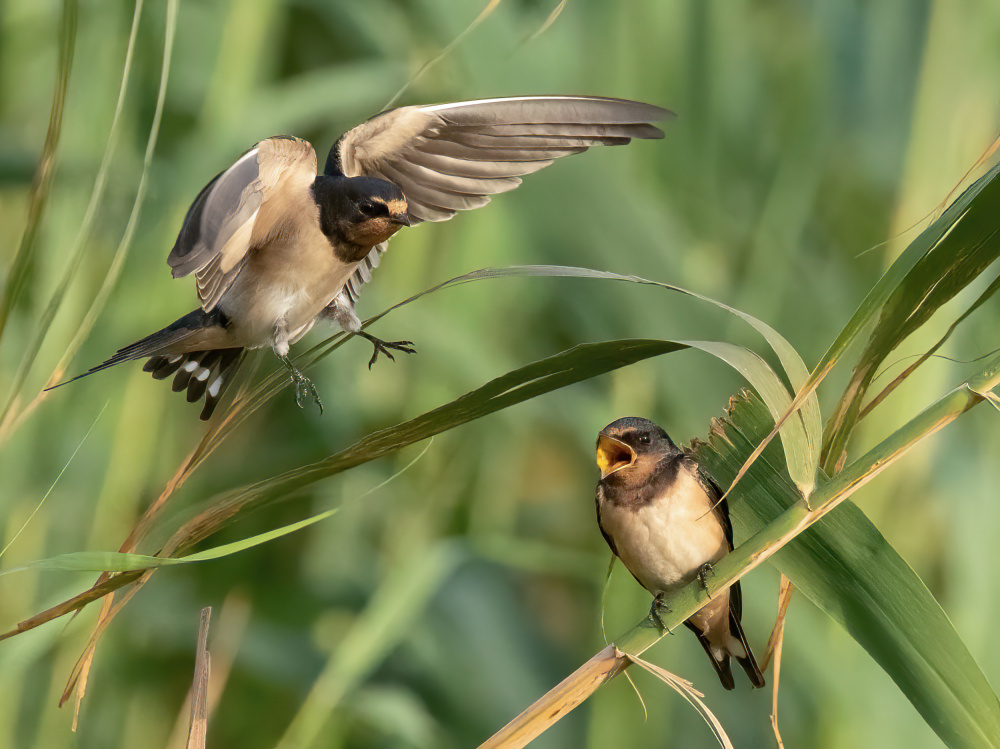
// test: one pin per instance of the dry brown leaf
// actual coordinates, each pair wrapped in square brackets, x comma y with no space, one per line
[230,626]
[686,689]
[558,701]
[774,647]
[198,727]
[784,598]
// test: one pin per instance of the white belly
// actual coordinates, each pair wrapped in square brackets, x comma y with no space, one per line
[665,543]
[286,286]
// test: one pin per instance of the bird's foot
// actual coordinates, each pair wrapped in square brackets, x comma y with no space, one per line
[703,572]
[382,347]
[655,609]
[303,385]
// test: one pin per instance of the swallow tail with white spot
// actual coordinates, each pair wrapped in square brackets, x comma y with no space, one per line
[275,247]
[663,519]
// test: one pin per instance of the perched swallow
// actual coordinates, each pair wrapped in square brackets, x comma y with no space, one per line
[274,247]
[662,517]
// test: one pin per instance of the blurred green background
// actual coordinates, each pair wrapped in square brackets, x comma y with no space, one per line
[435,608]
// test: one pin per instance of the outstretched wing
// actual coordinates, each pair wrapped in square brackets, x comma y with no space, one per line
[453,157]
[221,225]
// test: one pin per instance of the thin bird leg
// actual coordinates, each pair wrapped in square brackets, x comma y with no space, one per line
[302,385]
[382,347]
[655,609]
[703,572]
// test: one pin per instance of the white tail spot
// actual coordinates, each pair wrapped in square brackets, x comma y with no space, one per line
[202,375]
[735,648]
[191,366]
[215,387]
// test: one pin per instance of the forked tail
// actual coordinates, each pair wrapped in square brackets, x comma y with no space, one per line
[205,372]
[200,372]
[738,646]
[749,663]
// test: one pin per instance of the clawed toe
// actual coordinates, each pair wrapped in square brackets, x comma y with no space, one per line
[303,386]
[703,572]
[654,611]
[383,347]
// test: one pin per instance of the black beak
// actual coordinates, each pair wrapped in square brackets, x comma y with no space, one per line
[403,219]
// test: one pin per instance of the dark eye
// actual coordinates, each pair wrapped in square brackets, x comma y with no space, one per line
[370,208]
[643,439]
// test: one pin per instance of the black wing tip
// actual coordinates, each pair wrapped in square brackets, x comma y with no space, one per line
[725,672]
[752,671]
[64,382]
[89,372]
[119,357]
[748,664]
[722,667]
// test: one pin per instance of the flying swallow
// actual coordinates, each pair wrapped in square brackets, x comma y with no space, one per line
[275,247]
[664,520]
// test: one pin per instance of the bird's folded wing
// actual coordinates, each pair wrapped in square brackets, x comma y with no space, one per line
[721,509]
[452,157]
[221,224]
[715,495]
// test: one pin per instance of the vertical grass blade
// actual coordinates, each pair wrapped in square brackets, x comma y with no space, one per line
[111,278]
[76,252]
[18,273]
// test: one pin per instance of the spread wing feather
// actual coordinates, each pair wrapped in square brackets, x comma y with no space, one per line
[475,139]
[363,273]
[220,225]
[459,150]
[477,169]
[452,157]
[481,148]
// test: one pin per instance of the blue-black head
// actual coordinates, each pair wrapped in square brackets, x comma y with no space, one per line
[629,441]
[357,213]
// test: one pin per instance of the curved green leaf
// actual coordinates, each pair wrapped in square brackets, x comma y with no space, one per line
[802,435]
[574,365]
[847,568]
[774,394]
[116,561]
[944,259]
[803,455]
